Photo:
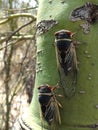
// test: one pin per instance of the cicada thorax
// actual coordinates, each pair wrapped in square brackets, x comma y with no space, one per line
[67,60]
[49,105]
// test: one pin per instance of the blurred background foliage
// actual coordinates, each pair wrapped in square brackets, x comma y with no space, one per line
[17,59]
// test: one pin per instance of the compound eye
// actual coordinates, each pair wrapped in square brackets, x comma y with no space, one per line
[71,34]
[56,34]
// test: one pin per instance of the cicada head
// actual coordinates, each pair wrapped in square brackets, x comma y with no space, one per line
[63,40]
[44,94]
[44,88]
[64,34]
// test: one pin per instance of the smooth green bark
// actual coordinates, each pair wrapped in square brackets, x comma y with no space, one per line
[80,111]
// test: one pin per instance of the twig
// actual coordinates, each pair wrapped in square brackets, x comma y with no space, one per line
[16,89]
[8,18]
[17,30]
[15,38]
[23,9]
[19,75]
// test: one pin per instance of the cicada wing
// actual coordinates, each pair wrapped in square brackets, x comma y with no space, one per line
[58,117]
[68,81]
[55,114]
[50,113]
[50,116]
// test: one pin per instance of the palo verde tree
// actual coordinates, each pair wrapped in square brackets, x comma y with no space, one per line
[80,110]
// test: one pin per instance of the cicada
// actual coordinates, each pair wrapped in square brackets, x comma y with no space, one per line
[49,104]
[67,60]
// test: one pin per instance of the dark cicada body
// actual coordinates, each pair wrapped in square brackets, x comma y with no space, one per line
[66,50]
[67,60]
[49,104]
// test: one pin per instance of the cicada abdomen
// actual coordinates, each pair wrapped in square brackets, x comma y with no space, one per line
[67,61]
[49,104]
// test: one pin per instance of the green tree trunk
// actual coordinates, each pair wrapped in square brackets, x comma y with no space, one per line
[80,112]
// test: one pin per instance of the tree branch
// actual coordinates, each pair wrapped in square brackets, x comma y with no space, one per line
[23,9]
[6,19]
[15,38]
[17,30]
